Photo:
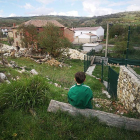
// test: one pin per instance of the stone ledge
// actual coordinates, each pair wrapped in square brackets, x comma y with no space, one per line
[108,118]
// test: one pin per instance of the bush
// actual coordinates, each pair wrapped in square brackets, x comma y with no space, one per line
[120,47]
[25,94]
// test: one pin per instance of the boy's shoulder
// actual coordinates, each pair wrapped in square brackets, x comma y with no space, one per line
[82,85]
[85,86]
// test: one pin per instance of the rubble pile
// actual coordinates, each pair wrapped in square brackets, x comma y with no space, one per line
[39,57]
[12,51]
[53,62]
[75,54]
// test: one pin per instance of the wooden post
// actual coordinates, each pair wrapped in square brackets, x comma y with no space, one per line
[107,40]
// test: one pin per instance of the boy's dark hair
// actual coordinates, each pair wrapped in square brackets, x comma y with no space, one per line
[80,77]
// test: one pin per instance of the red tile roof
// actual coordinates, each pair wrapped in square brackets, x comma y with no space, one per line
[41,23]
[86,28]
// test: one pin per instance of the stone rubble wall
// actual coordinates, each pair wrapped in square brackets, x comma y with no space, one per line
[128,89]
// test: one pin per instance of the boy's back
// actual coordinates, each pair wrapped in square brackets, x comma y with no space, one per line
[80,96]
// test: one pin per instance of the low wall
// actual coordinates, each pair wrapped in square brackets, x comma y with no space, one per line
[98,59]
[128,89]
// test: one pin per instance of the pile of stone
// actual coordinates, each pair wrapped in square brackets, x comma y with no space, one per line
[75,54]
[53,62]
[12,51]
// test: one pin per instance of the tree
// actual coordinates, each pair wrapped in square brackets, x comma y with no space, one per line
[29,34]
[1,34]
[52,39]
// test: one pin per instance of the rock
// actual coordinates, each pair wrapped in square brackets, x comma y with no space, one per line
[108,118]
[97,105]
[2,77]
[34,72]
[8,82]
[57,85]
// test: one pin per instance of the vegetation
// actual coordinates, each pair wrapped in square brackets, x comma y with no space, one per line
[24,103]
[98,71]
[52,39]
[30,35]
[137,70]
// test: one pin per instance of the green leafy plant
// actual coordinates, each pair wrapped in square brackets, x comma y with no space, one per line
[25,93]
[52,39]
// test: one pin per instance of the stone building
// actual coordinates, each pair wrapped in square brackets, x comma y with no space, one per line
[39,24]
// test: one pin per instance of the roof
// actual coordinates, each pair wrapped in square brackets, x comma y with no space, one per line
[41,23]
[8,28]
[86,28]
[68,29]
[90,34]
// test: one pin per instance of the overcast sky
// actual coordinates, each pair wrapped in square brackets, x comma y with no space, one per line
[88,8]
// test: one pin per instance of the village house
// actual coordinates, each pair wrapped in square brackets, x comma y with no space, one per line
[39,24]
[5,30]
[88,34]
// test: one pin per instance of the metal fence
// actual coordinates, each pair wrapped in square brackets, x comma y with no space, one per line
[122,61]
[87,59]
[111,77]
[112,82]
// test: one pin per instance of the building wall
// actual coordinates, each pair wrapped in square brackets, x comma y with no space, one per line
[85,39]
[128,89]
[17,38]
[10,34]
[99,32]
[69,34]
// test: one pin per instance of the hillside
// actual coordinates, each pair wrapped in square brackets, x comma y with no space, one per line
[118,18]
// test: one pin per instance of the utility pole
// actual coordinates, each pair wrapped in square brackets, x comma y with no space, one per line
[107,40]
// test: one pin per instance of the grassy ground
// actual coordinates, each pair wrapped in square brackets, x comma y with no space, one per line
[24,103]
[137,70]
[98,71]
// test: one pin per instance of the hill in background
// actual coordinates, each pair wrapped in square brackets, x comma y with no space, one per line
[130,18]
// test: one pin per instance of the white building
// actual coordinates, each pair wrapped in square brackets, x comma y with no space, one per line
[5,30]
[88,34]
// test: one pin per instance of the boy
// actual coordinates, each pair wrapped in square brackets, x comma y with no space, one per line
[80,95]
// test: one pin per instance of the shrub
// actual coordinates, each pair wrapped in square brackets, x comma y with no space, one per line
[24,94]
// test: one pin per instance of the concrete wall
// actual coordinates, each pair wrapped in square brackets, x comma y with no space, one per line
[99,32]
[128,89]
[85,39]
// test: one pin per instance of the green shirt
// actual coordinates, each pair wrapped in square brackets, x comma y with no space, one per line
[80,96]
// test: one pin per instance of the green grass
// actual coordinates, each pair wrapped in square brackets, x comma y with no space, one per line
[57,126]
[4,42]
[35,92]
[137,70]
[98,71]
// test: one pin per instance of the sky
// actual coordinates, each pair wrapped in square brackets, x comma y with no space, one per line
[77,8]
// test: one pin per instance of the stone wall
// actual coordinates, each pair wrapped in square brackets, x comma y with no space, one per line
[128,89]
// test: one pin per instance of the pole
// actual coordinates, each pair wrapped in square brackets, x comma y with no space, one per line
[102,70]
[127,49]
[106,40]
